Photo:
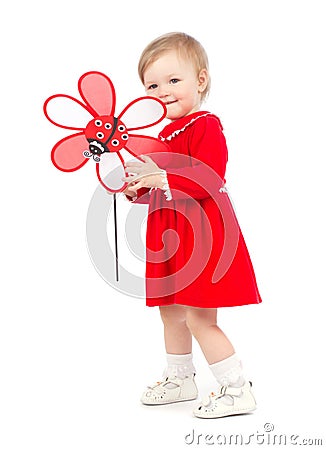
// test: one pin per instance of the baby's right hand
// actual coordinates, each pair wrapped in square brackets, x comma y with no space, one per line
[129,191]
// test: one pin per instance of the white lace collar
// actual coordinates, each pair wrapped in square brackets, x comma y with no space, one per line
[176,132]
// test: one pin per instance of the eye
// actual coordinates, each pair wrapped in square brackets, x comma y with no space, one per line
[115,142]
[108,126]
[98,123]
[124,137]
[174,81]
[121,128]
[152,86]
[100,135]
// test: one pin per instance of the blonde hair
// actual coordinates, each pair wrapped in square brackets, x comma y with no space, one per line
[186,45]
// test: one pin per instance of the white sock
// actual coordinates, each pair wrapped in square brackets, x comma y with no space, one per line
[179,366]
[228,372]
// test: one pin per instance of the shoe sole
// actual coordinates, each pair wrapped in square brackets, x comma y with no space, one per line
[231,413]
[170,402]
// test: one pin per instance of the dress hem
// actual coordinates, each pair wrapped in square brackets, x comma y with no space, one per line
[207,304]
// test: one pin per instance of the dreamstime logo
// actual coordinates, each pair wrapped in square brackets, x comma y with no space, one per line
[199,178]
[264,437]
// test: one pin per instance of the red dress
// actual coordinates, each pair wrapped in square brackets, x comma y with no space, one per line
[196,254]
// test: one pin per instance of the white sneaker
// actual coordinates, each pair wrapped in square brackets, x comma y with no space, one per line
[171,390]
[238,401]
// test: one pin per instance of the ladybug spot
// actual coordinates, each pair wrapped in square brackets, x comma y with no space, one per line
[115,142]
[121,128]
[98,123]
[108,126]
[100,135]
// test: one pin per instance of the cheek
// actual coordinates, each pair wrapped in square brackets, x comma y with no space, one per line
[186,92]
[194,95]
[151,94]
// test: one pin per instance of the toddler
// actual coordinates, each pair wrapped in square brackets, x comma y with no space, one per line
[189,233]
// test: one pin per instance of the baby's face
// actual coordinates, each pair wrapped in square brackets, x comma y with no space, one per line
[173,80]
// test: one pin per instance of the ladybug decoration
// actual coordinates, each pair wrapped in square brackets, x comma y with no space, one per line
[108,130]
[103,137]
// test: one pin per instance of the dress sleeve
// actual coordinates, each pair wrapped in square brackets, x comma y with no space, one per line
[142,196]
[207,162]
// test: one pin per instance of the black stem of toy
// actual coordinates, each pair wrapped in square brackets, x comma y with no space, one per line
[116,237]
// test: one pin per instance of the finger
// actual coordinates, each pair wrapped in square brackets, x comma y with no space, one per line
[132,189]
[132,172]
[133,178]
[146,158]
[129,179]
[136,186]
[148,174]
[133,164]
[136,169]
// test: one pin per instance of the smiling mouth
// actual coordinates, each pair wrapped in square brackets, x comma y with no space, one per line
[170,103]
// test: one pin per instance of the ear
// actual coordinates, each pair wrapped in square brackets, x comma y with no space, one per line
[202,80]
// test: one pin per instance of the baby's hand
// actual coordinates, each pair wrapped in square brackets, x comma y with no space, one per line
[147,174]
[129,191]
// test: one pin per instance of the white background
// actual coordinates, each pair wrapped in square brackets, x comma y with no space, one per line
[75,353]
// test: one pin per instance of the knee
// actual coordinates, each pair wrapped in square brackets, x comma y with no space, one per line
[172,315]
[193,324]
[198,322]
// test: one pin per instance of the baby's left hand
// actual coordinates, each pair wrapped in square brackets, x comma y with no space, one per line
[148,173]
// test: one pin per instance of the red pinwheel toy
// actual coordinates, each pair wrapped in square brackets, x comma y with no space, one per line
[102,137]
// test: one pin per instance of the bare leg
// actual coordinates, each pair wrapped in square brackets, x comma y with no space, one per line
[213,342]
[177,337]
[178,378]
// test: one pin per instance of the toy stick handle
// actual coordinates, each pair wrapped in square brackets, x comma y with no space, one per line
[116,237]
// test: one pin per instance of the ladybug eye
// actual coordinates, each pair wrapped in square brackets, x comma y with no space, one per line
[108,126]
[98,123]
[124,137]
[121,128]
[100,135]
[115,142]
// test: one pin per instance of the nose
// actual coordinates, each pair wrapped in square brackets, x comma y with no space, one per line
[163,92]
